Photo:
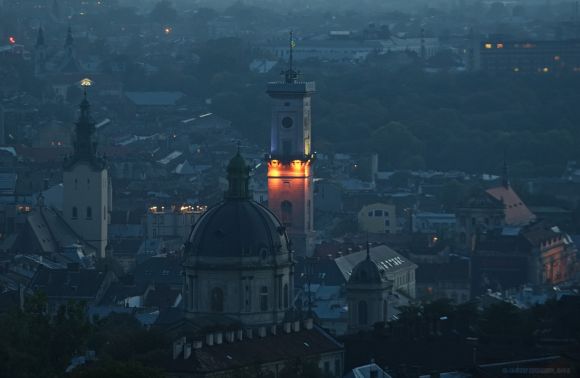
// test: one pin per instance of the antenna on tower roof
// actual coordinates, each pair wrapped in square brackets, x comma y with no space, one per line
[290,75]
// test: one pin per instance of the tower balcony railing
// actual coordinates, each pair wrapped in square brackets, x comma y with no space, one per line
[289,158]
[295,87]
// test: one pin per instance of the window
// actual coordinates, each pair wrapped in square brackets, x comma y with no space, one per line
[75,212]
[370,213]
[217,300]
[387,222]
[286,296]
[286,208]
[378,213]
[89,212]
[362,313]
[264,298]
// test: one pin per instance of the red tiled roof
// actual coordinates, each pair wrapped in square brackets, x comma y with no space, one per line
[516,212]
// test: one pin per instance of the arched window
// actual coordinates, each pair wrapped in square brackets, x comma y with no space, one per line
[89,212]
[286,296]
[264,298]
[75,212]
[286,208]
[217,300]
[362,313]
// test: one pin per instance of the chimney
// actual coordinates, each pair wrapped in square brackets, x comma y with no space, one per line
[249,333]
[187,351]
[287,327]
[209,339]
[308,323]
[219,338]
[197,344]
[274,329]
[262,331]
[230,336]
[178,347]
[296,326]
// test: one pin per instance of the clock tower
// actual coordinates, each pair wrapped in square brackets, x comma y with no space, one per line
[290,159]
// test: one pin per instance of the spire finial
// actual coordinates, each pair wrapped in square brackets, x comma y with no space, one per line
[368,248]
[239,144]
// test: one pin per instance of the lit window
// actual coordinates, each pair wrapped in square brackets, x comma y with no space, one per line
[500,45]
[557,58]
[545,69]
[516,69]
[488,46]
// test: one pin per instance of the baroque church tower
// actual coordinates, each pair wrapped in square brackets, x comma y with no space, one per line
[290,191]
[87,186]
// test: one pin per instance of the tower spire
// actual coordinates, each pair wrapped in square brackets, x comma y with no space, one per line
[505,178]
[290,75]
[84,146]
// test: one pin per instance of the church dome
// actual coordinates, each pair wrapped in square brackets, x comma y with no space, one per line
[238,226]
[365,272]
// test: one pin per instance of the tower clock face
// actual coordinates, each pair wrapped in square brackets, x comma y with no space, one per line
[287,122]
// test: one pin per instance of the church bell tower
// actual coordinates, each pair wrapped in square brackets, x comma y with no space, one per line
[86,182]
[290,159]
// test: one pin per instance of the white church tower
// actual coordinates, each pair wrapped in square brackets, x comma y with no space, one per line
[87,186]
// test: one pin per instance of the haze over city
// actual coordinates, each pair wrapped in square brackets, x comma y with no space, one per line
[268,188]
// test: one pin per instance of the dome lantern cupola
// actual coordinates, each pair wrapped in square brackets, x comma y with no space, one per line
[238,178]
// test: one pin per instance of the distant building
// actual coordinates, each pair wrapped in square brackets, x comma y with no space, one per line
[378,218]
[529,57]
[490,209]
[441,224]
[173,221]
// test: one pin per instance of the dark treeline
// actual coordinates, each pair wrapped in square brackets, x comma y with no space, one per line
[413,119]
